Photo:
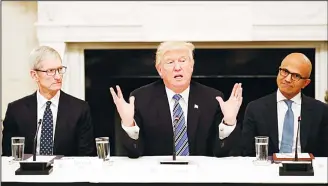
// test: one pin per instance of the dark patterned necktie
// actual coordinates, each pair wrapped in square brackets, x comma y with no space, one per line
[180,128]
[46,141]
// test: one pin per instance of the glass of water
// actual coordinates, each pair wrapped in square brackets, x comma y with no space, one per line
[17,148]
[261,149]
[103,148]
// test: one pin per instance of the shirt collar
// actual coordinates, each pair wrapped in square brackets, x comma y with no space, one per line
[184,94]
[42,100]
[296,99]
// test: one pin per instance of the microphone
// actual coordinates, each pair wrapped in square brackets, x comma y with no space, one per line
[296,167]
[174,154]
[36,139]
[176,119]
[296,143]
[35,167]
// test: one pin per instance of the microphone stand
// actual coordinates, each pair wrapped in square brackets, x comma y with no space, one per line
[36,139]
[34,167]
[174,153]
[174,150]
[298,129]
[295,167]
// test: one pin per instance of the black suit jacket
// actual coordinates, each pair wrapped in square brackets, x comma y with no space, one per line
[152,115]
[261,120]
[73,132]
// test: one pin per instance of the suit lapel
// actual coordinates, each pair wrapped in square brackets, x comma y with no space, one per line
[163,111]
[193,115]
[272,118]
[62,116]
[305,125]
[31,123]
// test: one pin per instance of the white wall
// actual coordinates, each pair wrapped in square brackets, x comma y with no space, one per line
[59,24]
[18,39]
[192,21]
[240,23]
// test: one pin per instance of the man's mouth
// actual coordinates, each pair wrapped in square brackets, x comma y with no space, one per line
[286,85]
[178,77]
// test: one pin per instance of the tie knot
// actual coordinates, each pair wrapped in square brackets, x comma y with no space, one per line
[177,97]
[48,103]
[289,103]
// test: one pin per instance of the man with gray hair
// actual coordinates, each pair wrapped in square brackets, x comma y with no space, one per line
[65,128]
[177,113]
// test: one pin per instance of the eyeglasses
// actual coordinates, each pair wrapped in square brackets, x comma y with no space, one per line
[294,76]
[52,72]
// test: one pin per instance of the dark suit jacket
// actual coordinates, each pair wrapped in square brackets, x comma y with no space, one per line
[73,133]
[261,120]
[152,115]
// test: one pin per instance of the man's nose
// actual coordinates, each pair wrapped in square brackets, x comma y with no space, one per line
[57,75]
[177,66]
[288,78]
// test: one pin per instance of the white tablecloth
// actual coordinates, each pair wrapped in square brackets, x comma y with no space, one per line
[148,169]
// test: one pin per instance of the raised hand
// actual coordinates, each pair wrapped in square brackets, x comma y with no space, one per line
[231,107]
[125,110]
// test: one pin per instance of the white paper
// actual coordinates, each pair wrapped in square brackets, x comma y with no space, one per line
[41,158]
[79,163]
[292,155]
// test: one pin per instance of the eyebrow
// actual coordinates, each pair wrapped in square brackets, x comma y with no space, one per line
[290,71]
[56,67]
[180,57]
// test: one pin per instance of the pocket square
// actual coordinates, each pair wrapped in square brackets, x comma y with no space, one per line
[196,106]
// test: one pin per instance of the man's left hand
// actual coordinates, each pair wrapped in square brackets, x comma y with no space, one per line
[231,107]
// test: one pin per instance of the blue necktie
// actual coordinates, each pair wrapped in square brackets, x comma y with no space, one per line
[180,128]
[46,141]
[288,130]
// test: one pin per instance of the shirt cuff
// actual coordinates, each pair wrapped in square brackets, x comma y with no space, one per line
[133,131]
[225,130]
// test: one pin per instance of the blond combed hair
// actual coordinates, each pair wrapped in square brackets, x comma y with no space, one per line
[173,45]
[41,53]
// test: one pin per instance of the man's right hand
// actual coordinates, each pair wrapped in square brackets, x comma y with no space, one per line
[125,110]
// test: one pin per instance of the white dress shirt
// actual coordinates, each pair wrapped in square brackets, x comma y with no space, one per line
[41,100]
[282,109]
[224,130]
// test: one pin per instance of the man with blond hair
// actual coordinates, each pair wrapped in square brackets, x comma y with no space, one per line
[65,127]
[277,115]
[177,113]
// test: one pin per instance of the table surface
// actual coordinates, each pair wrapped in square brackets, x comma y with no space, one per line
[149,170]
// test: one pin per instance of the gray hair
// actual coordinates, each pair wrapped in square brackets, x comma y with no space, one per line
[172,45]
[41,53]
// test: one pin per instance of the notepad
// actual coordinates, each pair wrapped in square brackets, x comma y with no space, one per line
[292,155]
[278,157]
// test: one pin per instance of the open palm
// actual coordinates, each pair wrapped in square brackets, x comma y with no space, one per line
[125,110]
[230,108]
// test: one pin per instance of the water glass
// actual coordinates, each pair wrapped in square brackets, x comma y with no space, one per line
[103,148]
[261,149]
[17,148]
